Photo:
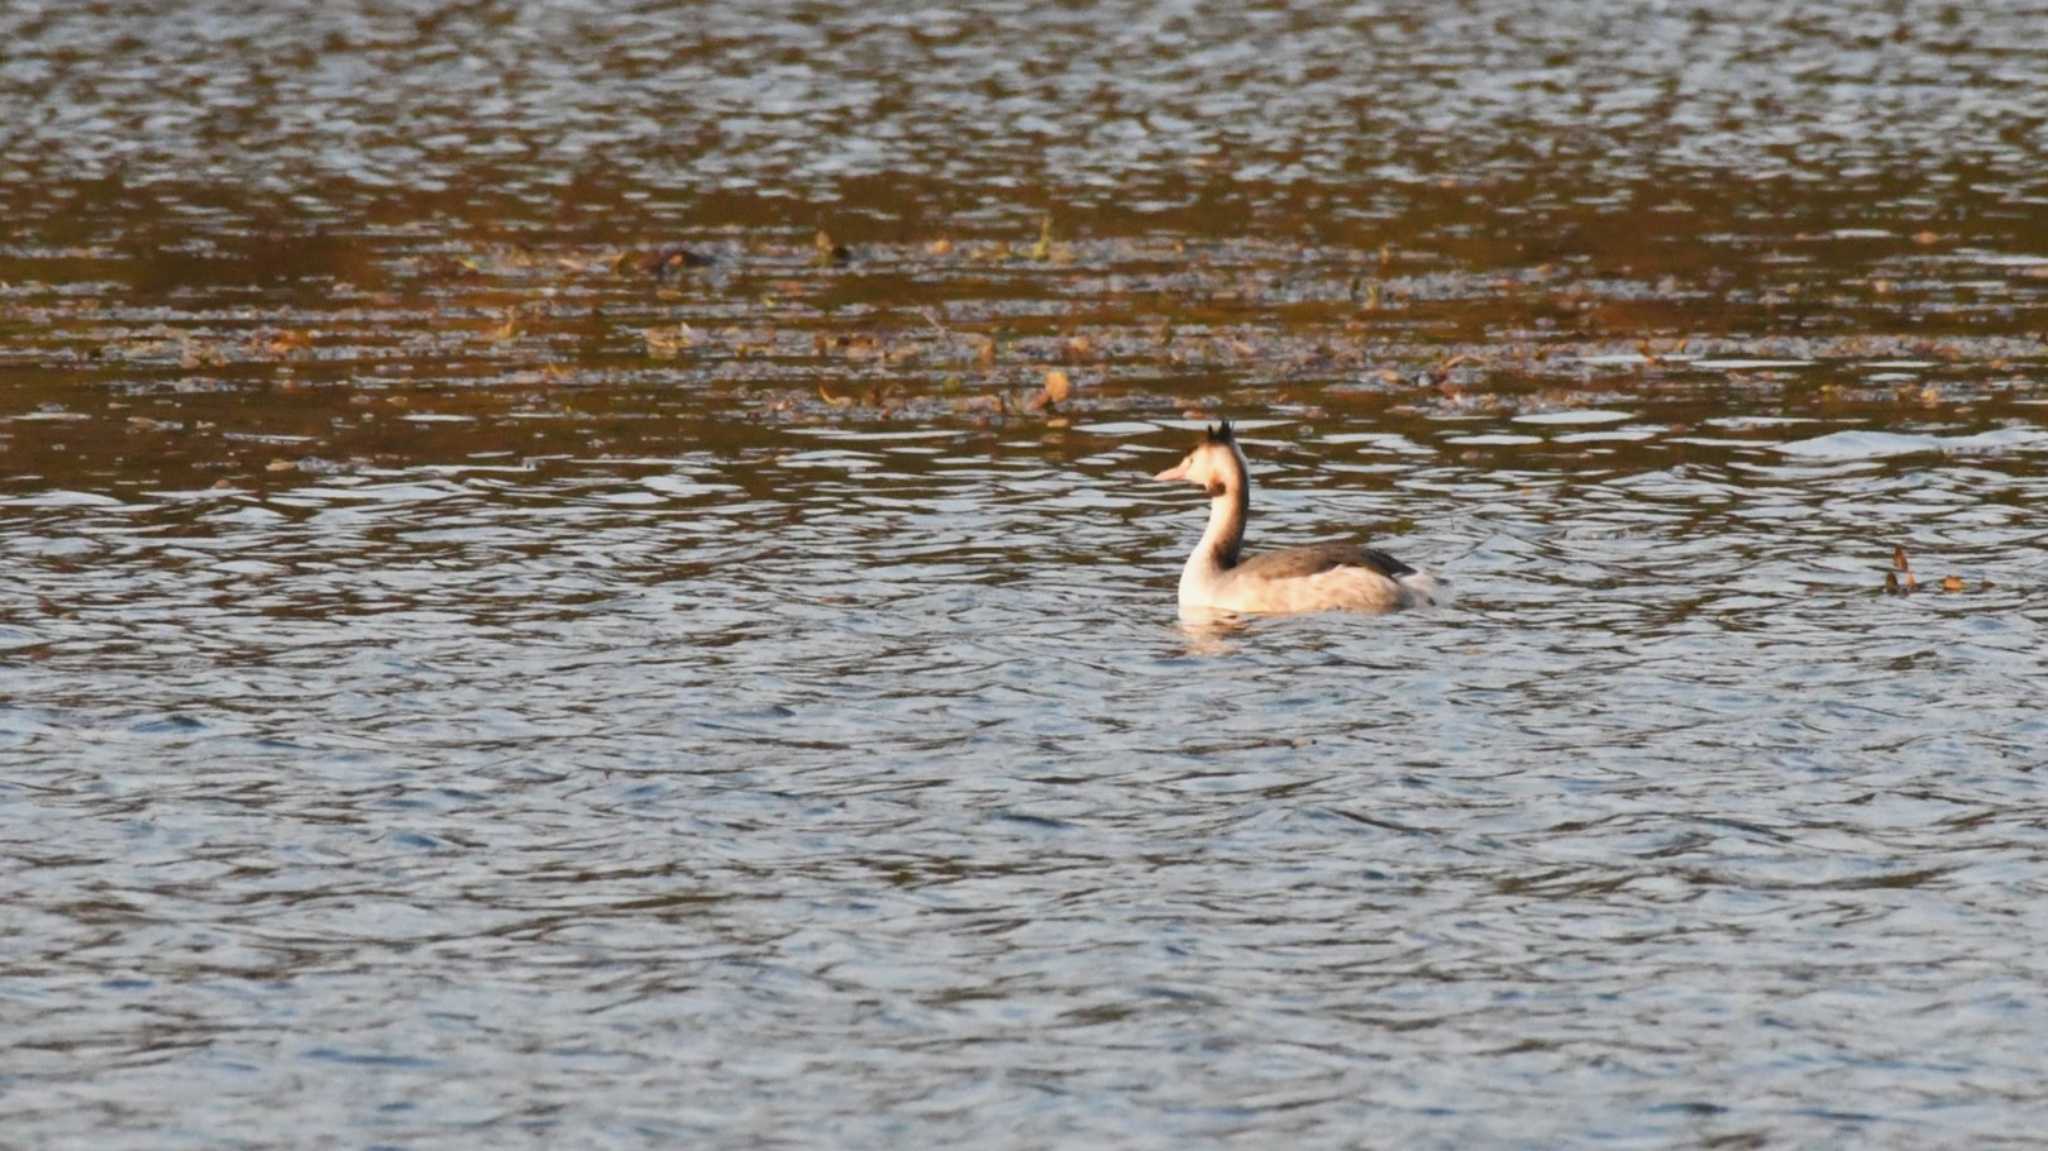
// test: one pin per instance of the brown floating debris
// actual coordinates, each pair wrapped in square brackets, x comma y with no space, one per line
[1042,250]
[1903,569]
[1057,386]
[287,342]
[825,253]
[1901,580]
[672,261]
[990,253]
[666,342]
[1055,392]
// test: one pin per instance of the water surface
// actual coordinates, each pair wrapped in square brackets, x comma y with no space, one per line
[466,677]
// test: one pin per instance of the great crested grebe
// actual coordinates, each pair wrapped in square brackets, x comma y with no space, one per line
[1320,577]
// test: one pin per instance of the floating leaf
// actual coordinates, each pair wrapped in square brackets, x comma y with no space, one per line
[1057,386]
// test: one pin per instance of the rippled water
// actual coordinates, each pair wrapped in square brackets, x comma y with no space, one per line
[462,682]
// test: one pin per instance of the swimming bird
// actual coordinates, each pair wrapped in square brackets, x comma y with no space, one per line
[1321,577]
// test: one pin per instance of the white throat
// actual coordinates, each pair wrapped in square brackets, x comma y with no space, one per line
[1222,538]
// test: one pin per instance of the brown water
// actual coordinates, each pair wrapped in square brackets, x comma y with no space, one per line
[463,680]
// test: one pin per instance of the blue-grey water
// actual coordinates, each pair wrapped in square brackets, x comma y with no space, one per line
[465,683]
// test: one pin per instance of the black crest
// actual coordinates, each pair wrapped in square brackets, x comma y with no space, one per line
[1222,434]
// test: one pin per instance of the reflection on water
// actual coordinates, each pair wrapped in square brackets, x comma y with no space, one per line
[455,679]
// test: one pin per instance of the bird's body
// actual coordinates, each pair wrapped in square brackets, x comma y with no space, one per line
[1320,577]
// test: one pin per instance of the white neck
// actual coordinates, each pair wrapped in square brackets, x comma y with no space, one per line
[1221,541]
